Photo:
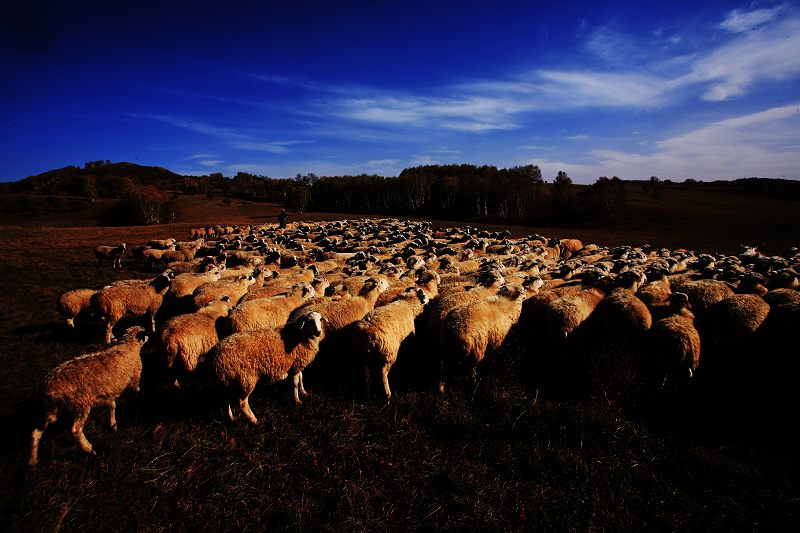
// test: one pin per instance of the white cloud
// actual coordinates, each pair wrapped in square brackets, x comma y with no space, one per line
[739,21]
[769,53]
[198,156]
[756,144]
[210,162]
[598,89]
[581,137]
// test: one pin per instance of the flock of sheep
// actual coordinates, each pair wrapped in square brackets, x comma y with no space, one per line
[253,302]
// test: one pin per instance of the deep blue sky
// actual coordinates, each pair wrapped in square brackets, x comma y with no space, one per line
[675,89]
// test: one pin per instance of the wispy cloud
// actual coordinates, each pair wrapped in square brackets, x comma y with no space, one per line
[580,137]
[739,21]
[210,162]
[756,144]
[198,156]
[232,137]
[769,53]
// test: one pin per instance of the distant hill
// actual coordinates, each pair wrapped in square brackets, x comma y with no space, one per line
[105,178]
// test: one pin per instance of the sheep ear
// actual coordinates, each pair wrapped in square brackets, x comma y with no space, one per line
[225,298]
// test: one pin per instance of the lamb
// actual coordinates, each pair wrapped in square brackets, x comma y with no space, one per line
[72,303]
[269,312]
[235,288]
[186,339]
[86,381]
[469,330]
[113,303]
[114,253]
[240,360]
[675,342]
[377,337]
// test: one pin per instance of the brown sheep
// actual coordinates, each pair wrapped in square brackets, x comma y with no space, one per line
[471,329]
[675,342]
[72,303]
[87,381]
[377,337]
[112,303]
[240,360]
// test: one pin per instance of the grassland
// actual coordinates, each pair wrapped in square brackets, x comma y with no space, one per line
[498,456]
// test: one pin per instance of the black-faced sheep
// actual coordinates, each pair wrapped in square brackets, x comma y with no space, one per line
[377,337]
[113,253]
[240,360]
[87,381]
[112,303]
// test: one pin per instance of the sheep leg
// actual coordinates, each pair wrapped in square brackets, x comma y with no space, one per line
[152,316]
[36,436]
[385,377]
[77,432]
[112,408]
[71,322]
[295,386]
[303,391]
[244,404]
[109,334]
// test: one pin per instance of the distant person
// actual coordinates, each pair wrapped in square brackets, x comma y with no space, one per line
[282,218]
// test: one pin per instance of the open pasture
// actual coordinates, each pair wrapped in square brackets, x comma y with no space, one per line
[513,449]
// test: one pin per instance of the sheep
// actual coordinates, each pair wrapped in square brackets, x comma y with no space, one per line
[469,330]
[235,288]
[112,303]
[161,244]
[186,339]
[343,312]
[564,314]
[114,253]
[377,337]
[93,379]
[72,303]
[736,318]
[240,360]
[675,342]
[269,312]
[151,256]
[704,293]
[183,285]
[428,280]
[569,247]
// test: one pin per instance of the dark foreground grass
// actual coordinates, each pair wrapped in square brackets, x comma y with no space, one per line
[493,456]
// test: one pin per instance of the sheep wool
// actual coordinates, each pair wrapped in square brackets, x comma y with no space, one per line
[72,303]
[87,381]
[186,339]
[113,303]
[377,337]
[240,360]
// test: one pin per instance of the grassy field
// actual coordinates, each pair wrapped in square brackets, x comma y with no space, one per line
[498,455]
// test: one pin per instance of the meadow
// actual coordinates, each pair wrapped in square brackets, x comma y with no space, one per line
[499,454]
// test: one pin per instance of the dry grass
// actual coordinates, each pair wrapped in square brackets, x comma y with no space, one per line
[493,456]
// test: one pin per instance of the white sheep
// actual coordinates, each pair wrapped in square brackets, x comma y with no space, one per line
[184,340]
[235,288]
[269,312]
[240,360]
[377,337]
[114,253]
[72,303]
[112,303]
[87,381]
[470,330]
